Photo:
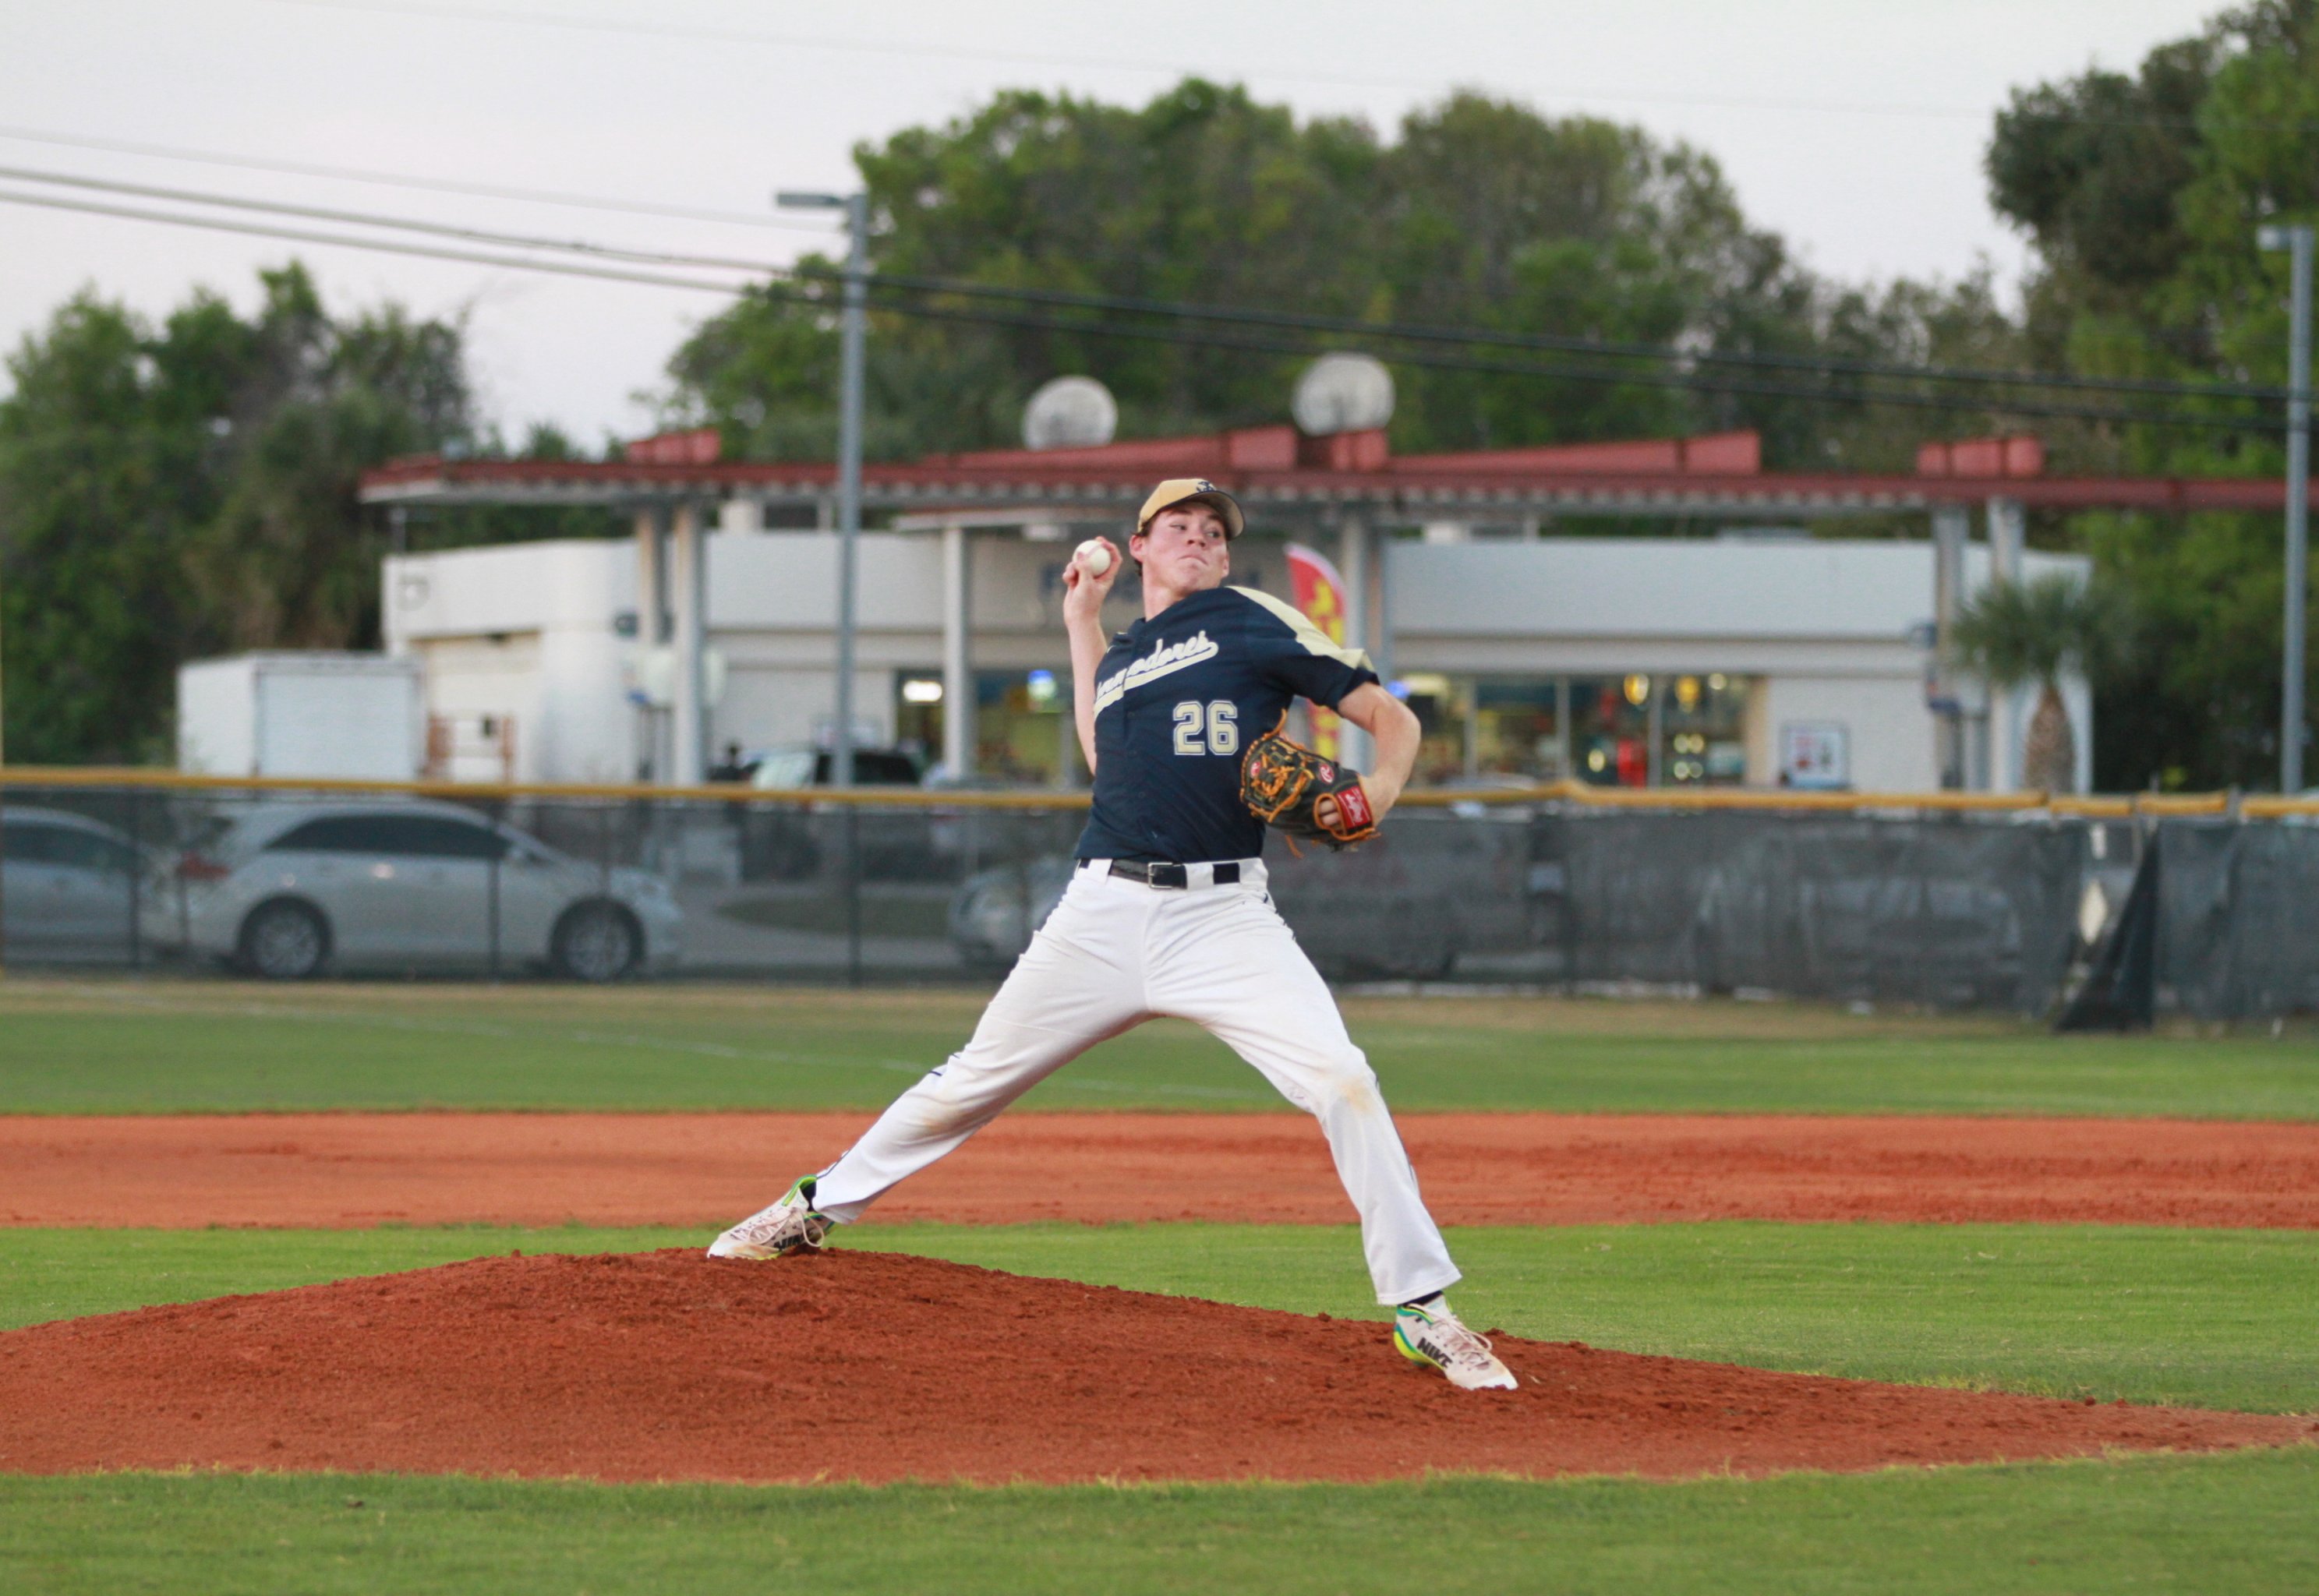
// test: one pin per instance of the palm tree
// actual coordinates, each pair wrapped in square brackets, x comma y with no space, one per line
[2014,634]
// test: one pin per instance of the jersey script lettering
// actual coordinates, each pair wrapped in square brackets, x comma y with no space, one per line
[1164,660]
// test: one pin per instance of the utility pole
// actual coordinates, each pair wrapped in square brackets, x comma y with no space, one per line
[854,334]
[2297,241]
[4,771]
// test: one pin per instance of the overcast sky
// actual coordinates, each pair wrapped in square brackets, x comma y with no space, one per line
[1854,127]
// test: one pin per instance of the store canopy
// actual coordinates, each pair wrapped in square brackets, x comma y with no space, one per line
[1283,475]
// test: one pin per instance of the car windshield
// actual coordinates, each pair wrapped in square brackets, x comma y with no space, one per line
[784,768]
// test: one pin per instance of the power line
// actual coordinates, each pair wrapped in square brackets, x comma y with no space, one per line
[1553,343]
[1144,334]
[1203,69]
[489,191]
[1595,375]
[259,229]
[891,284]
[442,230]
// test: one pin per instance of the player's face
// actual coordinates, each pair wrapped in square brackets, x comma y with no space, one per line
[1184,549]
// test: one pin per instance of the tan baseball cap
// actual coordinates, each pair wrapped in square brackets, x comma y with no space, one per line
[1194,490]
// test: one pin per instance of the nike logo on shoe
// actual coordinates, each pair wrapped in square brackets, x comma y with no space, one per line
[1441,1339]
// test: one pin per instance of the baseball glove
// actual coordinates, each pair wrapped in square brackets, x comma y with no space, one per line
[1283,783]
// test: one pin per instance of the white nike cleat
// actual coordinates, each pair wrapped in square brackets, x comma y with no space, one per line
[1435,1336]
[790,1225]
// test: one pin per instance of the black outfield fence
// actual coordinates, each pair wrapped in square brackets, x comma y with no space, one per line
[1942,901]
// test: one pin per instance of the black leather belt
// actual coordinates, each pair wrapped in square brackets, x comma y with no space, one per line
[1159,872]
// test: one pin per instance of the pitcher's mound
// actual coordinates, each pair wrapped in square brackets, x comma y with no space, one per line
[864,1365]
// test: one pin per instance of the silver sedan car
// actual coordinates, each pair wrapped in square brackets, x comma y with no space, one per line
[285,890]
[68,885]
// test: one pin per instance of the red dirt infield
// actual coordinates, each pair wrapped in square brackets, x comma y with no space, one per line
[356,1170]
[861,1366]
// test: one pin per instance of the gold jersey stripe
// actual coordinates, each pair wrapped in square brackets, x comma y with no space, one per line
[1313,638]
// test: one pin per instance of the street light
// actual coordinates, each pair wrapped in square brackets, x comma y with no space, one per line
[2297,240]
[855,330]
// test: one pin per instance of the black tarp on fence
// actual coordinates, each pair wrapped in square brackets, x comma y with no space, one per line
[1943,911]
[2238,934]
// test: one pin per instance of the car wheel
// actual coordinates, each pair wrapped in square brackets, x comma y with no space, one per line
[285,942]
[596,941]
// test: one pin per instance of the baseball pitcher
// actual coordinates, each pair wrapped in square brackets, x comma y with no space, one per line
[1166,912]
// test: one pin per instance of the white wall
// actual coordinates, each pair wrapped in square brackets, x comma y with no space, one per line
[769,708]
[526,630]
[1652,587]
[1889,731]
[584,727]
[472,676]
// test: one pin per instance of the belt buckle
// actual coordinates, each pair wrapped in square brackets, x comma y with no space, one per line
[1174,876]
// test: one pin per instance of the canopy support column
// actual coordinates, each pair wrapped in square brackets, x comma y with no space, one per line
[1355,746]
[958,667]
[689,579]
[652,634]
[1951,530]
[2007,529]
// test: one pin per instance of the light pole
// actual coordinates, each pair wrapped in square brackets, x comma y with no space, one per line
[855,331]
[2297,241]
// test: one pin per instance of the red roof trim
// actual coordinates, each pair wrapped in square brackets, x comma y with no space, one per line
[1396,484]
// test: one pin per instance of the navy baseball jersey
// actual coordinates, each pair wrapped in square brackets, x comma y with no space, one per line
[1177,697]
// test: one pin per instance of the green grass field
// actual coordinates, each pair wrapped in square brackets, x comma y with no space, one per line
[2219,1318]
[2204,1525]
[144,1047]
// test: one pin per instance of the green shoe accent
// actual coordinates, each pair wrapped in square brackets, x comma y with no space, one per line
[804,1189]
[1402,1342]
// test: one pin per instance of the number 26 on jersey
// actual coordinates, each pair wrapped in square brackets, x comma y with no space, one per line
[1207,728]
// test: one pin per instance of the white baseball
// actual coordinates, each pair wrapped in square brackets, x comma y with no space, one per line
[1092,556]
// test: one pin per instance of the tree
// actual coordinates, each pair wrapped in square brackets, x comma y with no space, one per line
[171,492]
[2141,194]
[1481,213]
[104,454]
[2029,633]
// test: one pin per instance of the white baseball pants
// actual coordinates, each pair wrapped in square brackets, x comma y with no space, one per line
[1117,952]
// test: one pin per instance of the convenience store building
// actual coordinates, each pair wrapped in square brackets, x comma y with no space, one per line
[1740,650]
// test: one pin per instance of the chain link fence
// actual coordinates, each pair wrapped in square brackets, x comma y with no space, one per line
[1970,908]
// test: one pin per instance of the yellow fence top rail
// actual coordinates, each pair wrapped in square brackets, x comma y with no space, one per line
[2092,807]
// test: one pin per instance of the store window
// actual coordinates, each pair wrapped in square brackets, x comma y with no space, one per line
[1517,729]
[1649,729]
[1487,731]
[1020,719]
[1702,739]
[1637,729]
[1610,726]
[1021,724]
[1442,706]
[918,715]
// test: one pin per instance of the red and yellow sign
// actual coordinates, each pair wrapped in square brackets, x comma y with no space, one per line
[1317,589]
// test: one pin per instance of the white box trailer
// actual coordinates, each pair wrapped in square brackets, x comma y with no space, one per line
[346,715]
